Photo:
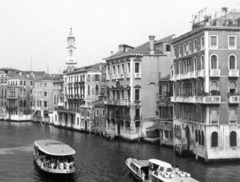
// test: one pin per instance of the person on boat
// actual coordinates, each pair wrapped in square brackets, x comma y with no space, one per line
[61,165]
[143,175]
[176,168]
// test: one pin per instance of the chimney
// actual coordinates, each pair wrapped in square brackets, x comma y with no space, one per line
[120,48]
[111,53]
[151,41]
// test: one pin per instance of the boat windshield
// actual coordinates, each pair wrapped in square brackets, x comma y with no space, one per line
[169,170]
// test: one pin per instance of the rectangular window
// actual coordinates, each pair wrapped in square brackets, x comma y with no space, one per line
[45,84]
[113,70]
[232,42]
[128,67]
[97,112]
[190,47]
[213,42]
[175,51]
[20,82]
[168,48]
[24,82]
[195,45]
[202,42]
[45,103]
[103,112]
[137,67]
[180,51]
[122,68]
[137,96]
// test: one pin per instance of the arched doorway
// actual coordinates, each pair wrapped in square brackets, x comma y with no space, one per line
[187,131]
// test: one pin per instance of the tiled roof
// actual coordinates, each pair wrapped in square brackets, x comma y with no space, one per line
[142,49]
[94,67]
[45,77]
[167,39]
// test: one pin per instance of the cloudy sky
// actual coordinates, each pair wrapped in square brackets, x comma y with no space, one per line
[37,30]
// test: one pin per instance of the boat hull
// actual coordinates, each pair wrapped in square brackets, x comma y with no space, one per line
[39,164]
[135,175]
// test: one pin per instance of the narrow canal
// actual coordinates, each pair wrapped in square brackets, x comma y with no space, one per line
[98,160]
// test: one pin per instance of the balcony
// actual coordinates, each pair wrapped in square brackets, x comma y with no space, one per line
[127,75]
[201,73]
[179,99]
[193,74]
[177,77]
[113,77]
[185,76]
[172,77]
[234,99]
[137,75]
[173,98]
[215,73]
[137,118]
[108,77]
[233,73]
[208,99]
[122,76]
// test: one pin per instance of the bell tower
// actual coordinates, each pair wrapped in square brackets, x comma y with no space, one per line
[71,60]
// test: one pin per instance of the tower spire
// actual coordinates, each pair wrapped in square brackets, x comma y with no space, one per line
[71,60]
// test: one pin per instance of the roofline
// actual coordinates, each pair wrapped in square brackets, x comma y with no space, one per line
[196,31]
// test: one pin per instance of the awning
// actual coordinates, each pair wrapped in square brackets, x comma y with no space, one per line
[161,125]
[154,127]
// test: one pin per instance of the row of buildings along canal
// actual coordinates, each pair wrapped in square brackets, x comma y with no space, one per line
[182,91]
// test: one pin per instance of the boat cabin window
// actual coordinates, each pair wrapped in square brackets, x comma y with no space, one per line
[162,169]
[169,170]
[153,166]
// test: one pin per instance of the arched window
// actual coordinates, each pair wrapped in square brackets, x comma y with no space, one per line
[21,103]
[180,67]
[232,116]
[233,139]
[202,138]
[24,103]
[214,88]
[97,90]
[196,136]
[88,89]
[214,116]
[232,88]
[199,138]
[202,62]
[195,64]
[232,62]
[214,142]
[213,62]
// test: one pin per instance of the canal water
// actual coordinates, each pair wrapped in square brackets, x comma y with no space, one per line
[97,159]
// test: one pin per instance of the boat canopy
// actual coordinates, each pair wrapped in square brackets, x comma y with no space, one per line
[160,163]
[54,147]
[140,163]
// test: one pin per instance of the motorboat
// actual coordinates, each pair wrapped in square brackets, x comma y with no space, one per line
[160,171]
[154,170]
[138,168]
[53,156]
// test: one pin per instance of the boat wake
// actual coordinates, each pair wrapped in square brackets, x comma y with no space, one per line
[15,150]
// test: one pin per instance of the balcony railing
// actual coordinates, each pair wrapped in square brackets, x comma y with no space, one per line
[201,73]
[108,77]
[193,74]
[127,75]
[185,76]
[215,73]
[208,99]
[177,77]
[233,73]
[122,76]
[117,76]
[137,118]
[113,77]
[137,75]
[234,99]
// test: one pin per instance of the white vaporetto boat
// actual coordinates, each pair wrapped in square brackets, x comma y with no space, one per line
[154,170]
[53,156]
